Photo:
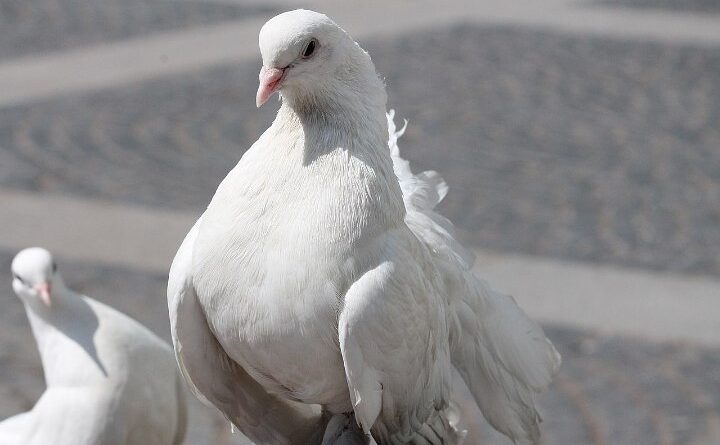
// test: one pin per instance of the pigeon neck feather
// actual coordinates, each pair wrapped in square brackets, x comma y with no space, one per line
[65,333]
[344,117]
[345,109]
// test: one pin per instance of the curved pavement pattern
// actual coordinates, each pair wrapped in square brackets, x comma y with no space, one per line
[702,6]
[627,182]
[596,143]
[41,26]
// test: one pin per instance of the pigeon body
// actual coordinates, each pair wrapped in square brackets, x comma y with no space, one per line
[320,274]
[110,381]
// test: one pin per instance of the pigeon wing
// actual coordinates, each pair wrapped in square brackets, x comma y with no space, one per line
[394,343]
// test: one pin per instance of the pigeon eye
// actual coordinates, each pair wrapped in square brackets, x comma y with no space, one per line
[17,277]
[54,267]
[309,49]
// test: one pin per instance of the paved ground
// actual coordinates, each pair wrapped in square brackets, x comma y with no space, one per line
[628,182]
[50,25]
[611,390]
[710,6]
[565,145]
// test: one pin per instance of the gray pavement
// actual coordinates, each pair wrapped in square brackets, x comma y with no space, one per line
[43,26]
[632,180]
[182,50]
[699,6]
[657,306]
[611,390]
[571,131]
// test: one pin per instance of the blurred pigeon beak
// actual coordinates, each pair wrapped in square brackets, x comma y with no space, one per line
[270,80]
[44,293]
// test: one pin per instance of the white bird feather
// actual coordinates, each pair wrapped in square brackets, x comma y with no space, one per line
[109,380]
[321,274]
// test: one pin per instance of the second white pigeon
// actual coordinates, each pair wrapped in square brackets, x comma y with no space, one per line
[110,381]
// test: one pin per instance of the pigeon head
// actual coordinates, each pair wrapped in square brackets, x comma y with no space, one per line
[34,273]
[306,56]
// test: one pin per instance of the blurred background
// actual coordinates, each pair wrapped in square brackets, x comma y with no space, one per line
[580,140]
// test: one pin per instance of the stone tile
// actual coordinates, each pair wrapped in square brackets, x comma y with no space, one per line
[572,147]
[37,26]
[693,6]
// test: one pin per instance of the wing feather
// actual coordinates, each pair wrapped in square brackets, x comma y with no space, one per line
[393,338]
[503,356]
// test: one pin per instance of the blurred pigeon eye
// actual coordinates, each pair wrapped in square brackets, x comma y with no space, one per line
[309,49]
[54,267]
[17,277]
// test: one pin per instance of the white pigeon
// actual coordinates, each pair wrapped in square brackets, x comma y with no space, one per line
[320,274]
[110,381]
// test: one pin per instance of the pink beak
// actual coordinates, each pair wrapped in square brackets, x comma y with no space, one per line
[270,80]
[43,290]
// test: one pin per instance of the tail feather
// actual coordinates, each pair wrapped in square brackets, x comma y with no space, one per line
[503,356]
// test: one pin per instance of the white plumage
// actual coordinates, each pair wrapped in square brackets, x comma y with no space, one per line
[320,274]
[110,381]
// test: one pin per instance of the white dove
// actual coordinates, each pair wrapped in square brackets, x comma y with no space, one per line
[110,381]
[320,274]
